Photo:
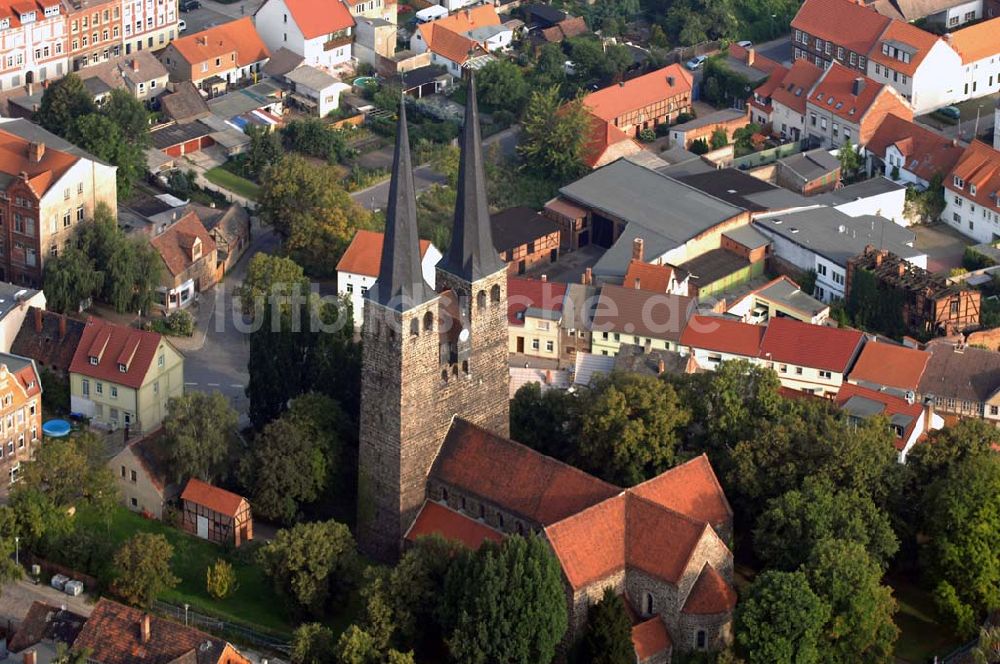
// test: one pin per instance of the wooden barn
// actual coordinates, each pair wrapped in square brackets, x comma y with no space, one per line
[215,514]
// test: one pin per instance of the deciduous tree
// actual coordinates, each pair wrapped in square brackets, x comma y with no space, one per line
[65,100]
[501,85]
[313,643]
[143,569]
[781,620]
[220,579]
[199,434]
[553,135]
[270,280]
[70,278]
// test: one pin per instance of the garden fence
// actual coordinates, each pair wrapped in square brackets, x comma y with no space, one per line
[235,631]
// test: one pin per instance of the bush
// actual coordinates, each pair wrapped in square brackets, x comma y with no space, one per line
[973,260]
[699,146]
[685,117]
[662,129]
[220,579]
[647,135]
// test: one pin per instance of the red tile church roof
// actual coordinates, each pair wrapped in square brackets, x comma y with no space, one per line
[691,489]
[650,638]
[435,518]
[710,594]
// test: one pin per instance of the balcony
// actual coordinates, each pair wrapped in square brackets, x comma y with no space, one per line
[336,42]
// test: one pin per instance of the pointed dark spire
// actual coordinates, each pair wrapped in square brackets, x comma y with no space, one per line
[471,254]
[400,284]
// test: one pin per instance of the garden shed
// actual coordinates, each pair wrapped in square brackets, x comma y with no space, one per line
[215,514]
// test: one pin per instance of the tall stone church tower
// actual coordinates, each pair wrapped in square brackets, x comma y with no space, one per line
[428,356]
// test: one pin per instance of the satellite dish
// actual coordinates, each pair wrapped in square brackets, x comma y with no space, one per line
[463,336]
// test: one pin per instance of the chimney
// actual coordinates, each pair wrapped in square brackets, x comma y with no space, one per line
[38,320]
[203,41]
[928,412]
[751,56]
[858,86]
[30,656]
[144,628]
[135,64]
[670,81]
[588,277]
[636,283]
[545,278]
[661,366]
[36,151]
[62,326]
[637,247]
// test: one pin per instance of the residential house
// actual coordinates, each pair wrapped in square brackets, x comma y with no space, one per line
[569,27]
[20,413]
[921,66]
[575,321]
[644,102]
[908,420]
[385,10]
[42,629]
[140,471]
[185,104]
[141,73]
[123,377]
[928,303]
[606,143]
[962,382]
[358,268]
[972,193]
[639,317]
[810,358]
[148,26]
[115,633]
[779,298]
[889,367]
[781,104]
[50,339]
[638,360]
[524,238]
[703,128]
[655,278]
[190,261]
[808,173]
[321,32]
[534,315]
[943,13]
[910,153]
[33,38]
[428,80]
[231,232]
[841,31]
[95,32]
[462,39]
[315,90]
[50,186]
[712,340]
[217,57]
[978,47]
[15,304]
[846,106]
[215,514]
[824,239]
[760,105]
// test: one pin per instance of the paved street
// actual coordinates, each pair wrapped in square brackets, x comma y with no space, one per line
[17,597]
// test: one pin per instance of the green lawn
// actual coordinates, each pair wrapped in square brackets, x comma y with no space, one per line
[233,182]
[921,635]
[254,602]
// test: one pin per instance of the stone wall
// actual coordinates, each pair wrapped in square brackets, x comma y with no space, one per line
[475,507]
[581,599]
[718,629]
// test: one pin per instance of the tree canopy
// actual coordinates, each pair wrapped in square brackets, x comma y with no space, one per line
[143,569]
[501,85]
[608,639]
[554,136]
[268,280]
[199,428]
[781,620]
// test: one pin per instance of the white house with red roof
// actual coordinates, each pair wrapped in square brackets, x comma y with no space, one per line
[972,193]
[358,268]
[810,358]
[918,64]
[34,34]
[123,377]
[781,100]
[321,32]
[979,47]
[463,39]
[713,340]
[908,420]
[910,153]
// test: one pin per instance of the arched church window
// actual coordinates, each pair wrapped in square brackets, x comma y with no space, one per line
[495,293]
[481,299]
[700,640]
[465,366]
[444,374]
[414,327]
[428,322]
[647,605]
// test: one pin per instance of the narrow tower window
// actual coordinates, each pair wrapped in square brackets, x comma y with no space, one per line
[495,293]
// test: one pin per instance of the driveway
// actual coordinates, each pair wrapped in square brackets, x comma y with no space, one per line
[17,597]
[779,50]
[976,119]
[943,245]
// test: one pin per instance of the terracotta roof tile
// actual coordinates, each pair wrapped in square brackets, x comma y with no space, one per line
[710,595]
[650,638]
[976,42]
[627,310]
[15,160]
[655,278]
[364,254]
[834,92]
[926,152]
[795,85]
[524,294]
[910,35]
[316,18]
[843,22]
[435,518]
[606,142]
[49,348]
[536,487]
[616,100]
[239,36]
[979,165]
[723,335]
[446,36]
[174,244]
[107,366]
[590,545]
[890,365]
[659,541]
[212,497]
[818,346]
[691,489]
[909,414]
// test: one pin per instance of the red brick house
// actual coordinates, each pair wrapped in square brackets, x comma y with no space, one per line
[843,31]
[190,258]
[215,514]
[20,412]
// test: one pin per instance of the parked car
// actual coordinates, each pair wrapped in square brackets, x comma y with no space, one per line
[746,43]
[188,5]
[696,62]
[952,112]
[73,588]
[182,25]
[59,581]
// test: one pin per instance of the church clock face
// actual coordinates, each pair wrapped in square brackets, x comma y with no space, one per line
[463,336]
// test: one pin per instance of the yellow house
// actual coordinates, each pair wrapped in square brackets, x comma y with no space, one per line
[637,317]
[123,377]
[534,314]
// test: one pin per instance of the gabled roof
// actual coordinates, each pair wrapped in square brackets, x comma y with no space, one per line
[615,100]
[606,142]
[649,277]
[16,159]
[316,18]
[710,595]
[794,87]
[49,347]
[174,244]
[437,519]
[112,339]
[46,622]
[650,638]
[723,335]
[834,92]
[843,22]
[447,36]
[977,41]
[184,104]
[212,497]
[364,254]
[152,454]
[239,36]
[590,545]
[112,635]
[786,292]
[691,489]
[926,152]
[963,373]
[889,365]
[979,166]
[903,37]
[536,487]
[862,402]
[817,346]
[625,310]
[533,297]
[516,226]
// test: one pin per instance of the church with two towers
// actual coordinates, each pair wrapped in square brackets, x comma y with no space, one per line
[435,454]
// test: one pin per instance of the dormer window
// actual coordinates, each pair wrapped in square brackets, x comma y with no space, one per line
[4,23]
[122,368]
[972,189]
[93,360]
[959,182]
